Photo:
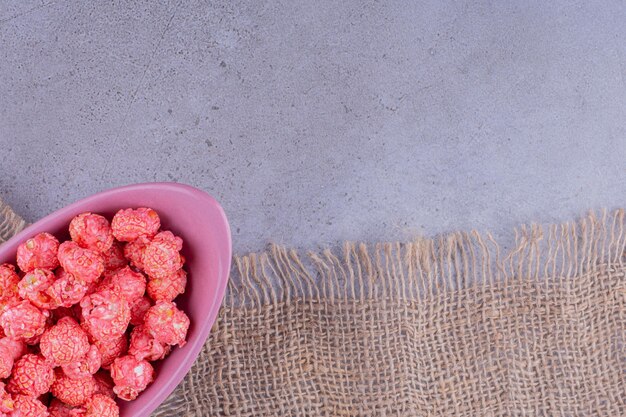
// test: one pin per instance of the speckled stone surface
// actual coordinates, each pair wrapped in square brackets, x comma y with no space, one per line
[315,122]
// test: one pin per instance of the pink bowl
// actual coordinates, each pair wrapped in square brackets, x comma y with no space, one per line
[201,222]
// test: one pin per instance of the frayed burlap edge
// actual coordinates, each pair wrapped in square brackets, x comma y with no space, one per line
[10,222]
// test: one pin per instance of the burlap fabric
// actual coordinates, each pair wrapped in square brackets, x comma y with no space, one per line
[445,327]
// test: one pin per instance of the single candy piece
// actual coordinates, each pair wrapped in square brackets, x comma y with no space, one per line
[130,284]
[58,408]
[133,251]
[114,258]
[167,288]
[91,231]
[104,384]
[85,265]
[112,348]
[138,309]
[161,257]
[32,375]
[86,366]
[33,287]
[106,314]
[39,251]
[23,321]
[9,281]
[73,392]
[144,346]
[99,406]
[130,376]
[26,406]
[64,343]
[66,290]
[6,402]
[16,348]
[130,224]
[166,323]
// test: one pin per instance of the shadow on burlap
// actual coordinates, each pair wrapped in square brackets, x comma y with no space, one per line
[446,326]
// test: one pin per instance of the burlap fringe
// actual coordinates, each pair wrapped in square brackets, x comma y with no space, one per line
[428,267]
[10,222]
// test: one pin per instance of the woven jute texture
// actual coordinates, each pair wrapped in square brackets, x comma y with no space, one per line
[453,326]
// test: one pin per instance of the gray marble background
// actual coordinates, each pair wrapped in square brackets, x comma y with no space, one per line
[318,121]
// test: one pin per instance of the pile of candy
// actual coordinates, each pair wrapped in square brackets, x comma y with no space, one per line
[82,320]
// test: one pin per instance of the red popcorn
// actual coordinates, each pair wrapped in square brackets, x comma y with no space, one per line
[6,402]
[23,321]
[111,348]
[26,406]
[33,287]
[59,409]
[130,224]
[84,264]
[134,251]
[166,323]
[105,314]
[126,282]
[38,252]
[60,312]
[99,406]
[138,310]
[144,346]
[86,366]
[114,257]
[161,257]
[32,375]
[6,362]
[73,392]
[67,290]
[91,231]
[9,281]
[167,288]
[64,343]
[16,348]
[130,376]
[104,384]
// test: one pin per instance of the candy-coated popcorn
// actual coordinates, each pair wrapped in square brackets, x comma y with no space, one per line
[161,257]
[130,376]
[34,285]
[114,257]
[9,281]
[73,392]
[144,346]
[67,290]
[99,406]
[167,288]
[26,406]
[105,314]
[6,402]
[84,264]
[39,251]
[112,348]
[104,384]
[23,321]
[130,284]
[166,323]
[91,231]
[32,375]
[133,251]
[58,408]
[130,224]
[86,366]
[16,348]
[138,310]
[64,343]
[6,362]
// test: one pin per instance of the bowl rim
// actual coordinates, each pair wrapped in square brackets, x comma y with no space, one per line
[204,329]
